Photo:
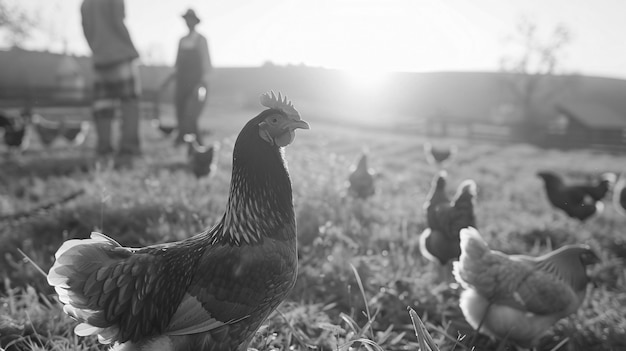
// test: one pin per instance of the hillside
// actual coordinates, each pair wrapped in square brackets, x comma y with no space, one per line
[339,95]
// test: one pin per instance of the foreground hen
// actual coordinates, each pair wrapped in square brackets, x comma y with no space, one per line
[211,291]
[440,241]
[579,201]
[519,297]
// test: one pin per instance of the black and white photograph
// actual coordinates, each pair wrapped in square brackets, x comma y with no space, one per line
[312,175]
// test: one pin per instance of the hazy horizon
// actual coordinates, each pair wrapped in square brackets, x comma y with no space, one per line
[368,35]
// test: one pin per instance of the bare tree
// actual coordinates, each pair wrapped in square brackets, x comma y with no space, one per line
[15,23]
[532,65]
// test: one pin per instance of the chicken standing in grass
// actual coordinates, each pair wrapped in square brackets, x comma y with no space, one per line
[47,130]
[361,179]
[211,291]
[578,201]
[165,129]
[439,242]
[437,156]
[202,158]
[15,131]
[619,195]
[75,132]
[519,298]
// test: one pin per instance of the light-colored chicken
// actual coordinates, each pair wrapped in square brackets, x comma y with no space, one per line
[516,297]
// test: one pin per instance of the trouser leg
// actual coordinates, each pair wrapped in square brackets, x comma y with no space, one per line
[129,127]
[103,120]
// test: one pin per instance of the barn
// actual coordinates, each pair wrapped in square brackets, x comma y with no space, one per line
[579,124]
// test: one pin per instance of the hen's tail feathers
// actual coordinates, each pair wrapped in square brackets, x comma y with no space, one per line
[76,261]
[468,188]
[473,249]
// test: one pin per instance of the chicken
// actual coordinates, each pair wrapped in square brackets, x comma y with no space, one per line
[202,158]
[165,129]
[439,242]
[577,201]
[15,131]
[361,179]
[516,297]
[438,156]
[75,131]
[211,291]
[47,130]
[619,195]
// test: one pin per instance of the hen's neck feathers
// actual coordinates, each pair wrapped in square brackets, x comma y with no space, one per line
[260,201]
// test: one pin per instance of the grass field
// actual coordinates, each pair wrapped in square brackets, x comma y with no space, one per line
[343,243]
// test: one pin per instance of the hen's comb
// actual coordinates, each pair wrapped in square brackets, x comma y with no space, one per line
[279,102]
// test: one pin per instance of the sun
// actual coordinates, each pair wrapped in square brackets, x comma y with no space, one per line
[365,81]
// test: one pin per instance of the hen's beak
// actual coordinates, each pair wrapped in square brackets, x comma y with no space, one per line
[298,124]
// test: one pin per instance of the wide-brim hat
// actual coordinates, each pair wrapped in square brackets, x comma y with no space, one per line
[191,14]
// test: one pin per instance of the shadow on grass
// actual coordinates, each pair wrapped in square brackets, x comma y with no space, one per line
[169,166]
[40,236]
[48,166]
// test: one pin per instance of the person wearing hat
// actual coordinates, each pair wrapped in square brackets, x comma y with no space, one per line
[193,64]
[116,77]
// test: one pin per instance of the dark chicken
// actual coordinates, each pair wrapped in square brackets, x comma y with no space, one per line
[202,158]
[516,297]
[577,201]
[75,131]
[15,130]
[47,130]
[208,292]
[439,242]
[437,156]
[165,129]
[361,179]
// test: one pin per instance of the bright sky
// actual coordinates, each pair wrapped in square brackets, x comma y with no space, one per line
[390,35]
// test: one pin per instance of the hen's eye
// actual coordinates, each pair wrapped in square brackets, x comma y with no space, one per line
[274,120]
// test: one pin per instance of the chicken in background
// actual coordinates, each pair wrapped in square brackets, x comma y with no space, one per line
[202,158]
[47,130]
[165,129]
[619,195]
[208,292]
[440,242]
[15,131]
[580,201]
[519,298]
[361,179]
[437,156]
[75,132]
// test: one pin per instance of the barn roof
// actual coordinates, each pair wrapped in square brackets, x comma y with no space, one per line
[593,115]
